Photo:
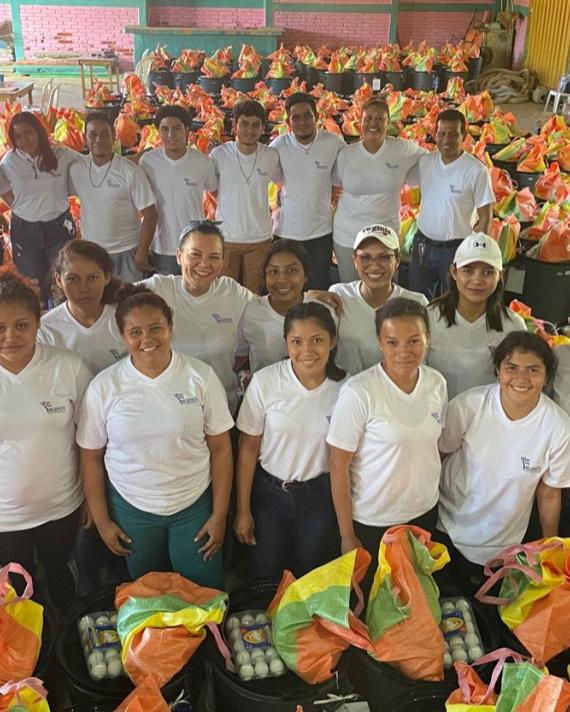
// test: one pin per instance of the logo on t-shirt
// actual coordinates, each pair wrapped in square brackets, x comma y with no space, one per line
[455,190]
[189,182]
[116,354]
[527,467]
[328,417]
[113,183]
[392,165]
[320,166]
[262,173]
[437,417]
[52,409]
[222,319]
[185,400]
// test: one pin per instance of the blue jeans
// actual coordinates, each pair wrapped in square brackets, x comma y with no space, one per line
[35,246]
[295,525]
[166,543]
[429,265]
[319,252]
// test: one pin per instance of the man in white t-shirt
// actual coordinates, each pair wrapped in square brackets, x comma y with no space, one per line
[307,157]
[456,191]
[244,169]
[178,175]
[117,203]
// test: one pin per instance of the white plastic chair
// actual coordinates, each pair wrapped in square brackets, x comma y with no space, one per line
[54,97]
[44,98]
[556,96]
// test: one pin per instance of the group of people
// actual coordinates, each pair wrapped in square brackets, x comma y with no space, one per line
[368,406]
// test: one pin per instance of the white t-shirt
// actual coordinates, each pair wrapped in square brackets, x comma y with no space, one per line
[38,195]
[489,481]
[396,467]
[562,379]
[179,187]
[305,211]
[243,208]
[451,195]
[371,185]
[260,332]
[110,212]
[154,430]
[206,327]
[463,352]
[293,421]
[39,470]
[358,347]
[99,345]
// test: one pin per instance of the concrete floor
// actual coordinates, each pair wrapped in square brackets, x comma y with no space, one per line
[529,115]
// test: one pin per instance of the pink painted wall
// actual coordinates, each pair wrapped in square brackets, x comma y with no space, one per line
[435,27]
[333,28]
[5,12]
[206,17]
[64,29]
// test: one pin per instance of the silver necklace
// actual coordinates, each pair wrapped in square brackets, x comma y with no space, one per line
[98,185]
[244,174]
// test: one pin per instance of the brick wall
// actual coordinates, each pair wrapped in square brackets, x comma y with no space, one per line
[214,17]
[333,28]
[54,29]
[435,27]
[5,12]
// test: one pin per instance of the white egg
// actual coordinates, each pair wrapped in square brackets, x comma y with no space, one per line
[247,619]
[475,652]
[85,623]
[257,655]
[467,616]
[238,646]
[456,641]
[232,623]
[462,604]
[235,635]
[95,657]
[447,661]
[471,639]
[246,672]
[271,653]
[261,669]
[459,654]
[98,671]
[102,620]
[469,627]
[111,654]
[277,666]
[261,618]
[447,607]
[242,658]
[113,618]
[114,667]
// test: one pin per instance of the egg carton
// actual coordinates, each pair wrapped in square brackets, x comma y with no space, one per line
[101,644]
[248,634]
[460,632]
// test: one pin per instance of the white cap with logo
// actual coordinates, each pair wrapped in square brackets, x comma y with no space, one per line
[384,234]
[479,247]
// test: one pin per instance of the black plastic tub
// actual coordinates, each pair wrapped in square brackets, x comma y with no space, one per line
[420,701]
[475,65]
[339,82]
[182,80]
[100,706]
[493,148]
[447,75]
[162,78]
[361,78]
[381,684]
[47,650]
[213,85]
[509,166]
[275,694]
[278,84]
[547,292]
[84,690]
[396,79]
[525,179]
[313,77]
[423,81]
[245,85]
[300,69]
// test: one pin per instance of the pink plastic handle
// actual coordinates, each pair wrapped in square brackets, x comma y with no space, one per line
[497,576]
[14,568]
[359,597]
[499,656]
[221,645]
[31,682]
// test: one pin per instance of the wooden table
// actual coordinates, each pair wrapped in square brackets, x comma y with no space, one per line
[13,90]
[110,63]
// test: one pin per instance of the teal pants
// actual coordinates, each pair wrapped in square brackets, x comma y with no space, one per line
[166,543]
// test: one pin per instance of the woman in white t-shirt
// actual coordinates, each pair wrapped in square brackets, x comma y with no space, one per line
[507,444]
[371,174]
[34,183]
[384,462]
[40,491]
[284,505]
[207,306]
[158,424]
[376,256]
[469,320]
[85,321]
[285,277]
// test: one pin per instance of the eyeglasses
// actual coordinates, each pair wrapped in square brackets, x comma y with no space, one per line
[365,259]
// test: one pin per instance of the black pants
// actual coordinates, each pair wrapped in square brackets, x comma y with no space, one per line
[51,543]
[370,539]
[319,252]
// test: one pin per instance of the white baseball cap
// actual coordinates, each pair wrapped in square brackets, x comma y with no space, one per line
[384,234]
[479,247]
